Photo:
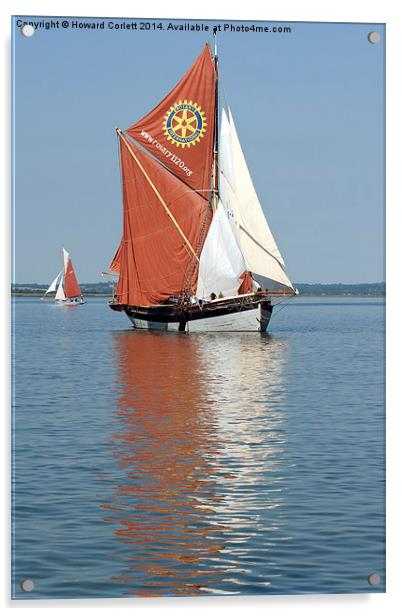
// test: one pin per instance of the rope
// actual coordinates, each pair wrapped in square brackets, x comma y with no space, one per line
[285,303]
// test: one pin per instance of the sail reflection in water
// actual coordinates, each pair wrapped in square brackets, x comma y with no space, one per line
[201,444]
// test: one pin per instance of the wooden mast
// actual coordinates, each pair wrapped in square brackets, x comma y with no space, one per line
[215,176]
[158,195]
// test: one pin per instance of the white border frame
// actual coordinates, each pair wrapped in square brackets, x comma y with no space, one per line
[389,12]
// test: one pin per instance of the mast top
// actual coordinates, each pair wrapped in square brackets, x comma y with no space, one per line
[215,32]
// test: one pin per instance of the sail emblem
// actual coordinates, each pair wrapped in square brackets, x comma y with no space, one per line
[185,124]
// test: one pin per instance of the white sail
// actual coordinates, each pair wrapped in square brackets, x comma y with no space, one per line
[54,284]
[66,257]
[221,262]
[241,202]
[60,291]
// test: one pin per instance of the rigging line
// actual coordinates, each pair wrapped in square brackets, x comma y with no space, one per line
[120,167]
[223,93]
[260,245]
[158,195]
[285,303]
[192,268]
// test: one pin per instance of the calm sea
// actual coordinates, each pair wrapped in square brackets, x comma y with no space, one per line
[151,464]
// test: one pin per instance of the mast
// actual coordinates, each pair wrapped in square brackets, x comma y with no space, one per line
[216,135]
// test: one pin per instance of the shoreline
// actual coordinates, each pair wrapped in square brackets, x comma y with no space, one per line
[343,295]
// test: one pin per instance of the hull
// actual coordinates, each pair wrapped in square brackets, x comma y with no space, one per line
[250,312]
[70,302]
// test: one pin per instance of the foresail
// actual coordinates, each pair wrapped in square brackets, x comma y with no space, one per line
[241,202]
[179,131]
[221,262]
[60,291]
[54,284]
[164,228]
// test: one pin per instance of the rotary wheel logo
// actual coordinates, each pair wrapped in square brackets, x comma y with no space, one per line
[185,124]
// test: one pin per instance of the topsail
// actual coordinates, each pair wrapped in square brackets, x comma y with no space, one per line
[179,131]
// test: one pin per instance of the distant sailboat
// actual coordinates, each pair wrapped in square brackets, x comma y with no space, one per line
[196,244]
[65,285]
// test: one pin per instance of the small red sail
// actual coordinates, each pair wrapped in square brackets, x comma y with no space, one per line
[247,283]
[71,286]
[179,131]
[153,260]
[115,264]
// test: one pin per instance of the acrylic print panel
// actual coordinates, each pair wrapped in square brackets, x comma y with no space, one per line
[220,459]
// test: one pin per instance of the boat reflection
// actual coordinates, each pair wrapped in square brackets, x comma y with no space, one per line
[199,442]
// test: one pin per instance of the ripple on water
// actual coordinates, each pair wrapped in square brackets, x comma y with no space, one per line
[159,465]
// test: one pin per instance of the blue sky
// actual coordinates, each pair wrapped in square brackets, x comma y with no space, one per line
[309,112]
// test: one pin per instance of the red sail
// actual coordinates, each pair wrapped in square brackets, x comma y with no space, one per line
[180,130]
[115,264]
[71,287]
[154,261]
[247,283]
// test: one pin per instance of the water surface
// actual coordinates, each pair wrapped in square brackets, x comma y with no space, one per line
[151,464]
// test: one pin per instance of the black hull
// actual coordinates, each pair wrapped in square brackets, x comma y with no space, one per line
[183,314]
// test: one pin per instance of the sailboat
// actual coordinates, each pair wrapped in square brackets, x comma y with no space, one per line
[196,245]
[65,285]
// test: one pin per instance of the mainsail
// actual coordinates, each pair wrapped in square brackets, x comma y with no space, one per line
[158,254]
[71,286]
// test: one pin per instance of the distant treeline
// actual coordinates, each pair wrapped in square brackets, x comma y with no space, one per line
[34,288]
[337,288]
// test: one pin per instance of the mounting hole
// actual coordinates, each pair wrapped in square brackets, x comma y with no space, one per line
[374,579]
[27,30]
[374,37]
[27,585]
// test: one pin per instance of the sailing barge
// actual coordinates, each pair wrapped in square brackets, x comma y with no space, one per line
[195,244]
